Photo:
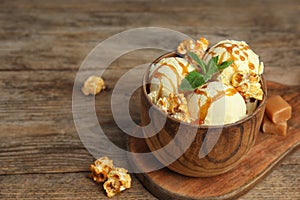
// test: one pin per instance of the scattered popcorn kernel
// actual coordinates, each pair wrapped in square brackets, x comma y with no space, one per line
[118,180]
[93,85]
[100,169]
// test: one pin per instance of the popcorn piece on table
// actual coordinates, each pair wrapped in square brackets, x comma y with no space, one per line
[93,85]
[118,180]
[100,169]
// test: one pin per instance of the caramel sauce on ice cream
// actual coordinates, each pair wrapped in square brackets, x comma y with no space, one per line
[224,99]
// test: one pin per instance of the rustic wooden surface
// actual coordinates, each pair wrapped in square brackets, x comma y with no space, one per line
[42,46]
[268,151]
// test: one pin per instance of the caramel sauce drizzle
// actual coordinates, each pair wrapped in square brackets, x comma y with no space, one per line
[185,70]
[229,49]
[251,66]
[203,110]
[230,91]
[159,75]
[221,58]
[174,70]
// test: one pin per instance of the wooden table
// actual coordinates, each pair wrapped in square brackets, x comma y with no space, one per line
[42,45]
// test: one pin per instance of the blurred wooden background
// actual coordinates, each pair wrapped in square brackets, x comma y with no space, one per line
[42,44]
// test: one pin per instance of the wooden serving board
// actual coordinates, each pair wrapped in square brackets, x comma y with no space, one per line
[266,153]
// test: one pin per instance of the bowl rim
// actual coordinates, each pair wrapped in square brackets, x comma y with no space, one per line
[201,126]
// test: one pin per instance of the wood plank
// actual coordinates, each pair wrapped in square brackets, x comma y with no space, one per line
[277,184]
[42,45]
[282,182]
[66,47]
[62,186]
[265,154]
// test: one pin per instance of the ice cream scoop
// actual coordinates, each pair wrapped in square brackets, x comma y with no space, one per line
[165,78]
[166,75]
[216,104]
[224,88]
[244,59]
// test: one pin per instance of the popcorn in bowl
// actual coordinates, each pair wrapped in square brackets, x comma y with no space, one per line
[218,89]
[231,65]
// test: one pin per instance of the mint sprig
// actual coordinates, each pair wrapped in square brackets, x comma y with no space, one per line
[196,79]
[200,62]
[192,80]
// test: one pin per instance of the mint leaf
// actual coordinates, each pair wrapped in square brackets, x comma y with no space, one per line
[198,60]
[225,64]
[215,59]
[193,80]
[212,67]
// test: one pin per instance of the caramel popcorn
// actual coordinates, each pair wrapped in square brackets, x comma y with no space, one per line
[175,106]
[118,180]
[248,85]
[199,47]
[185,46]
[100,169]
[93,85]
[228,72]
[153,96]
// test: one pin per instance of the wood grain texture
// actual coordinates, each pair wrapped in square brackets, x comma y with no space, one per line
[42,44]
[263,156]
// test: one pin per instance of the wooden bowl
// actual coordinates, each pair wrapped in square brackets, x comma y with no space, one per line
[234,142]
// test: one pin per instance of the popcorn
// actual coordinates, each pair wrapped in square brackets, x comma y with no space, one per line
[175,106]
[199,47]
[248,85]
[185,46]
[100,169]
[116,179]
[93,85]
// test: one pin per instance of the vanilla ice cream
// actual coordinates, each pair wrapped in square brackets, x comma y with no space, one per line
[216,104]
[166,75]
[244,59]
[246,66]
[229,95]
[165,78]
